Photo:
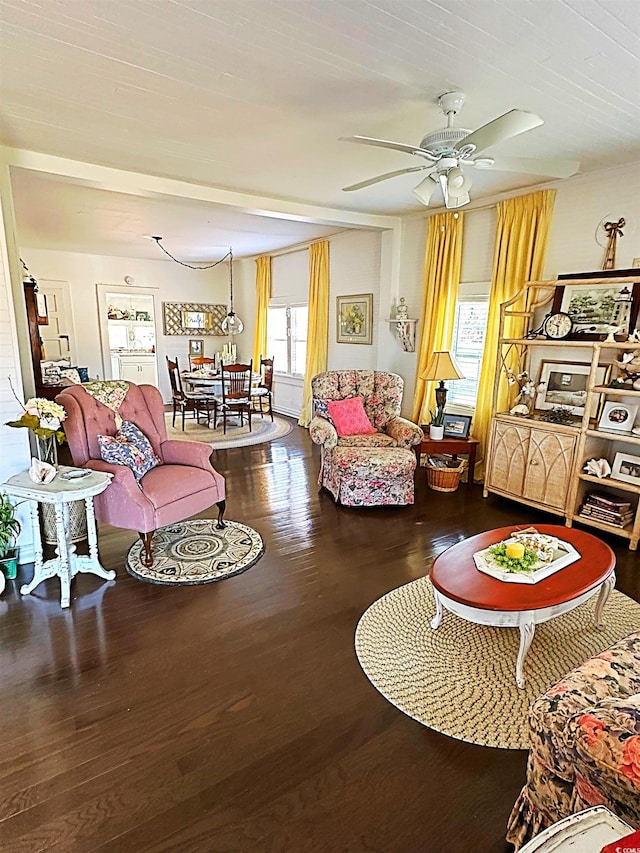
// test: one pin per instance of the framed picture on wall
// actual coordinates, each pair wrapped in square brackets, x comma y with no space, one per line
[354,319]
[196,348]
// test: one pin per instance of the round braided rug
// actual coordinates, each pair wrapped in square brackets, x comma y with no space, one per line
[460,679]
[262,430]
[193,552]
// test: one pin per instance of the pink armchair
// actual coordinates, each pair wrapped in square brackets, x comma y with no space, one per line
[185,483]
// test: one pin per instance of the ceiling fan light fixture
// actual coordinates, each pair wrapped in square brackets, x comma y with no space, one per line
[458,184]
[453,202]
[425,189]
[456,178]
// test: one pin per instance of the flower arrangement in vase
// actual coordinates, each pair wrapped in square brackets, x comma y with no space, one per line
[44,418]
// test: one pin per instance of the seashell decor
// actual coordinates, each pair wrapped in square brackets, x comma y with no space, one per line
[41,472]
[597,468]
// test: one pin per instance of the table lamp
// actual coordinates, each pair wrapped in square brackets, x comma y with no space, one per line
[441,366]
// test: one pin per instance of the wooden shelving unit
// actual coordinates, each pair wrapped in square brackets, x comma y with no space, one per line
[539,463]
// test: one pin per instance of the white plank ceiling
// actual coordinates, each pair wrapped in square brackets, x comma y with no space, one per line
[253,95]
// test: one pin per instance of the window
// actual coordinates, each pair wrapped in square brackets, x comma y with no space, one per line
[467,347]
[287,337]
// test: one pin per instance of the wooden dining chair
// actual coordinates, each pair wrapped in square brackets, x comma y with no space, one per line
[236,392]
[200,360]
[189,402]
[262,394]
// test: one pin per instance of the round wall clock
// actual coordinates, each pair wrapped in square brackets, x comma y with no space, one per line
[557,325]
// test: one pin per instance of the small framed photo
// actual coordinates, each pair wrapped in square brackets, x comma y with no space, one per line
[617,417]
[457,426]
[626,468]
[196,348]
[354,319]
[564,383]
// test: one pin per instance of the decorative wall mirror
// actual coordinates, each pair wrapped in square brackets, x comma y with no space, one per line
[185,318]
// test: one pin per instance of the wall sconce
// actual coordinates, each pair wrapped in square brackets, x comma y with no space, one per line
[405,327]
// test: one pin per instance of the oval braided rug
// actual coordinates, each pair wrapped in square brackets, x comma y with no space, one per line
[460,679]
[193,552]
[262,430]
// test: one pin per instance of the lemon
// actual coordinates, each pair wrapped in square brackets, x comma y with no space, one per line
[515,550]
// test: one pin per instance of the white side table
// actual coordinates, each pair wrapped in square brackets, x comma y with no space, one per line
[61,493]
[584,832]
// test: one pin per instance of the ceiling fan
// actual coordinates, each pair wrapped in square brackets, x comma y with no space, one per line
[449,149]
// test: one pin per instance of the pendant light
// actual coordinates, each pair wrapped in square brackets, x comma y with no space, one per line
[232,324]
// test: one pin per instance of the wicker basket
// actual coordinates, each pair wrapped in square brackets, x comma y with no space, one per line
[445,479]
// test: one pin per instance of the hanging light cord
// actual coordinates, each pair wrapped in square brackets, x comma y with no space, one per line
[191,266]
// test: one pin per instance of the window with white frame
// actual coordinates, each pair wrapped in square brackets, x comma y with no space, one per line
[469,332]
[287,337]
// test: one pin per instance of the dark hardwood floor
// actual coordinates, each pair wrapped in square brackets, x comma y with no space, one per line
[234,716]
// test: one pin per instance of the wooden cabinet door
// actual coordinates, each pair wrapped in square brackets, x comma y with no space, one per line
[510,451]
[148,375]
[130,370]
[548,467]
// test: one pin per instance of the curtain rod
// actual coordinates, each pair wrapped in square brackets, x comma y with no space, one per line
[297,247]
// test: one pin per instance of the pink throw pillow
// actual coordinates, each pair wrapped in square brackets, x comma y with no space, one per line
[349,417]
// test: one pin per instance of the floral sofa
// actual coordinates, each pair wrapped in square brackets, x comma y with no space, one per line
[585,744]
[366,470]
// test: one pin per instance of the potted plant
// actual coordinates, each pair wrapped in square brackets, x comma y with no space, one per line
[9,531]
[436,426]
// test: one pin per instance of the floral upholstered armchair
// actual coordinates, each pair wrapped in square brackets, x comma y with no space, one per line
[585,744]
[376,467]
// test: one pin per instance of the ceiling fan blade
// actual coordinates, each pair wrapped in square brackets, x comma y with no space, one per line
[362,184]
[504,127]
[384,143]
[550,167]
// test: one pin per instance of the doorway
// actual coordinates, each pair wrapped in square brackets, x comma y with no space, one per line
[128,333]
[57,336]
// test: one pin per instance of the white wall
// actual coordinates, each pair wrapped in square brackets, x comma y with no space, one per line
[581,204]
[354,267]
[169,281]
[14,443]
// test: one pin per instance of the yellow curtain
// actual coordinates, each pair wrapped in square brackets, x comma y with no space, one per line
[318,329]
[263,295]
[441,279]
[522,232]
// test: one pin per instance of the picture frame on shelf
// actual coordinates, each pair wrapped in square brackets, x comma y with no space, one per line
[354,319]
[564,383]
[596,309]
[626,468]
[457,426]
[617,417]
[196,348]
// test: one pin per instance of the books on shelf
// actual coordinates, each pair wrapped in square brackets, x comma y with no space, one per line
[607,509]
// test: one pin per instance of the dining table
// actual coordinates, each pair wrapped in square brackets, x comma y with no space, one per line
[210,382]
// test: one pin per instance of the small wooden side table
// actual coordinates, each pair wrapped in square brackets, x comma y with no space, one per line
[61,493]
[454,446]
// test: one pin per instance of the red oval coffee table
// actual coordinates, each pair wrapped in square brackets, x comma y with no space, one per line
[477,597]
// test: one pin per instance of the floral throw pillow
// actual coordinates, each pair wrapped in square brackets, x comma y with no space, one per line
[130,447]
[349,417]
